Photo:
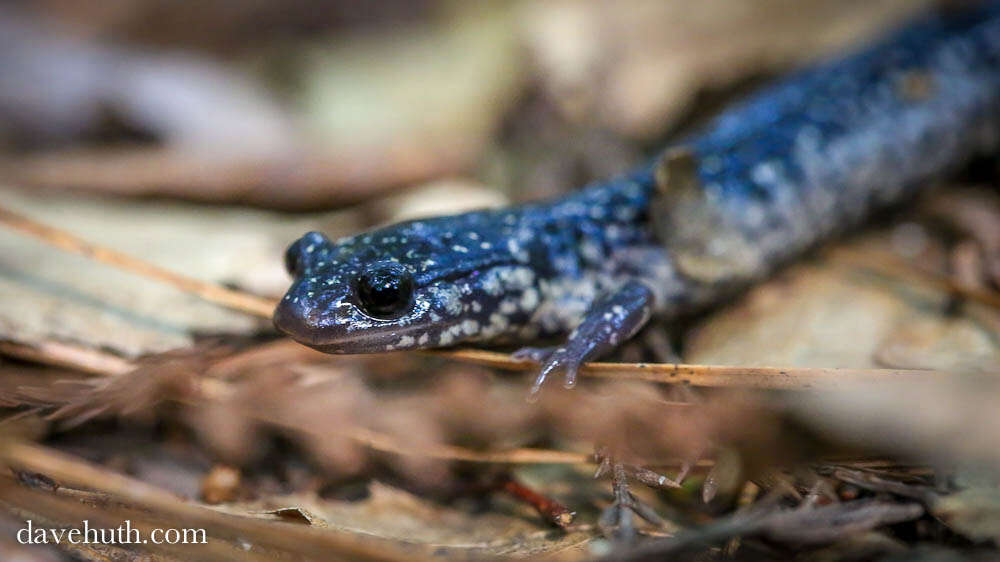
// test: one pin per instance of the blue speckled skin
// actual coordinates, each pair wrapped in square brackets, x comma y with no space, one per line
[763,182]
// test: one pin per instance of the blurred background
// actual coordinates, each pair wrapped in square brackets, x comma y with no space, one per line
[309,104]
[206,137]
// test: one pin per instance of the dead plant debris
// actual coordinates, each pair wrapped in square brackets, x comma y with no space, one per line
[844,409]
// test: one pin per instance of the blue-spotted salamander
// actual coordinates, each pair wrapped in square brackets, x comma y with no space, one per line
[764,181]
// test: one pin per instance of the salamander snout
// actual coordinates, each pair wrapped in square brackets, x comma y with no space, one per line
[299,320]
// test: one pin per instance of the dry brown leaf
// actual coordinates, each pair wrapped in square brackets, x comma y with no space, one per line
[49,295]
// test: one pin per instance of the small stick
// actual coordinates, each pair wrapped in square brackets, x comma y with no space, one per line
[58,354]
[235,300]
[796,378]
[553,511]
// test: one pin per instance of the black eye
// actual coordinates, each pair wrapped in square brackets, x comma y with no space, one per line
[300,253]
[292,259]
[385,291]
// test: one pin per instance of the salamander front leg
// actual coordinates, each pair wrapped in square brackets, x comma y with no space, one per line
[611,321]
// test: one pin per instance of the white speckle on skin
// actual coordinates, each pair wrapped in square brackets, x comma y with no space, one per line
[491,284]
[460,249]
[499,321]
[486,245]
[521,277]
[423,339]
[310,248]
[473,236]
[406,341]
[359,325]
[450,296]
[618,310]
[470,327]
[590,251]
[766,172]
[476,307]
[529,300]
[446,338]
[498,325]
[624,214]
[508,306]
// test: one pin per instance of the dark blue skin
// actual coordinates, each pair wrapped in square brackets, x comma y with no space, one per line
[765,181]
[516,274]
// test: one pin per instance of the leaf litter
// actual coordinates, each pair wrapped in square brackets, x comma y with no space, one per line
[842,409]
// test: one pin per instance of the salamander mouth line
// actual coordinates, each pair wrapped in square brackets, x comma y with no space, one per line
[344,343]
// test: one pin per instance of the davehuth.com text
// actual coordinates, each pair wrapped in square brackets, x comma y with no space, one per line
[122,534]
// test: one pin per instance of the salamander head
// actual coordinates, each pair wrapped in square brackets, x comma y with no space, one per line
[402,287]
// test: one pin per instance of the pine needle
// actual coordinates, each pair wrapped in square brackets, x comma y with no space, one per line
[789,378]
[229,298]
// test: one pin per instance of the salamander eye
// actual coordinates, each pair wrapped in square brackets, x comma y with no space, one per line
[292,260]
[300,252]
[385,290]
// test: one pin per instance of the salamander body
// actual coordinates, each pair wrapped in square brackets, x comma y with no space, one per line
[767,179]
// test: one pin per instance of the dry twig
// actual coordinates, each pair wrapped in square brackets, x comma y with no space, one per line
[709,375]
[229,298]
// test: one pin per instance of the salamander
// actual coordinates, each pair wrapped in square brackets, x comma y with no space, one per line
[768,178]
